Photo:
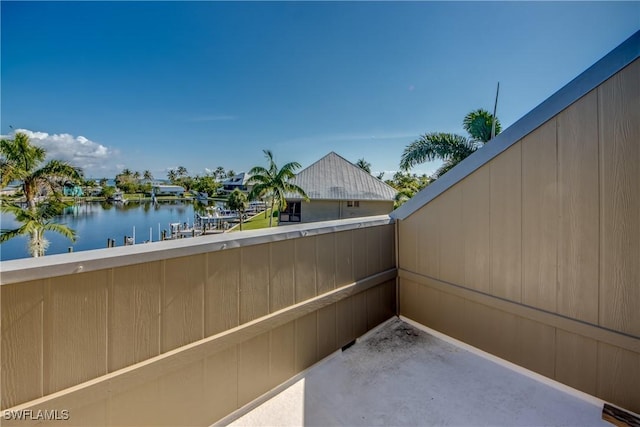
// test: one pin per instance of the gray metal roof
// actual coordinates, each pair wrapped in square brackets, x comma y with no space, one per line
[606,67]
[335,178]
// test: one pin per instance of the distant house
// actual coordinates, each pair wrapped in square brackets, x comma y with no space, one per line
[337,189]
[167,190]
[70,189]
[239,181]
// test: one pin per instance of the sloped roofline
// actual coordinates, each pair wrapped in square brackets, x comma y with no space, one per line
[595,75]
[296,197]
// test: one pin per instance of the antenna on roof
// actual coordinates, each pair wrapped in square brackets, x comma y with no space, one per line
[495,107]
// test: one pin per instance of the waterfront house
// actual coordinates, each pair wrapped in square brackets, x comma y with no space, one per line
[337,189]
[521,253]
[71,189]
[239,181]
[167,190]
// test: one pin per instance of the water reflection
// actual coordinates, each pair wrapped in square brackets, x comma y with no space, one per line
[96,222]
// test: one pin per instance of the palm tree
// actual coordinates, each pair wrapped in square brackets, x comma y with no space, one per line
[220,173]
[34,223]
[274,183]
[172,175]
[451,148]
[364,165]
[407,185]
[22,161]
[182,171]
[237,201]
[147,175]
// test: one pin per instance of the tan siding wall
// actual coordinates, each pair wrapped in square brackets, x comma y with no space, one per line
[326,210]
[535,256]
[63,331]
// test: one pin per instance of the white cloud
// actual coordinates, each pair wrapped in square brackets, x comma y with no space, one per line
[80,151]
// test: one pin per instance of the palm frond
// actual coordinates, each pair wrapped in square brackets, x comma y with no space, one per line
[61,229]
[292,188]
[436,145]
[479,123]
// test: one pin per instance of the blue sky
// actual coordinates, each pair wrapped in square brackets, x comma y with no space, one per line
[154,85]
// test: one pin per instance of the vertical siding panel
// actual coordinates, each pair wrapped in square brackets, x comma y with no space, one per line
[182,312]
[222,291]
[344,263]
[425,228]
[133,405]
[326,262]
[359,305]
[539,217]
[387,247]
[450,236]
[254,282]
[76,317]
[506,224]
[282,283]
[452,315]
[618,376]
[578,187]
[374,307]
[345,331]
[360,253]
[134,309]
[282,365]
[410,303]
[22,341]
[221,383]
[537,347]
[408,239]
[619,124]
[373,250]
[576,361]
[305,267]
[326,331]
[306,341]
[182,397]
[253,368]
[476,230]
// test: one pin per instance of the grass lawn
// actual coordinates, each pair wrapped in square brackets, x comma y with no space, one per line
[258,221]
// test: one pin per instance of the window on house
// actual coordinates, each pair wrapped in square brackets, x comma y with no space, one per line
[291,213]
[353,203]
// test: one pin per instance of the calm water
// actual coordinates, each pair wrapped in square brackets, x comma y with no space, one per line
[96,222]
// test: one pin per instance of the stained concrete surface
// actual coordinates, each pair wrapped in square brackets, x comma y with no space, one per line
[399,375]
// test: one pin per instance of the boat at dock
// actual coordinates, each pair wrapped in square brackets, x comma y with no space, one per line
[117,197]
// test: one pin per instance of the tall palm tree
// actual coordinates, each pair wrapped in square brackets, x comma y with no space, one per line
[34,223]
[364,165]
[237,201]
[182,171]
[22,161]
[451,148]
[147,175]
[273,182]
[172,175]
[220,173]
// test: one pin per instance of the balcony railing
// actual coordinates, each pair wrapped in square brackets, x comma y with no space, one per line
[185,332]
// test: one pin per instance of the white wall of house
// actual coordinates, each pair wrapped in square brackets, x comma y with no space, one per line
[326,210]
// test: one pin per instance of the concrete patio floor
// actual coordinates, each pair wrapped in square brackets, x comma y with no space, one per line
[399,375]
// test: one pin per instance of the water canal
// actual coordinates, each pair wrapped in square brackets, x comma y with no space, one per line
[96,222]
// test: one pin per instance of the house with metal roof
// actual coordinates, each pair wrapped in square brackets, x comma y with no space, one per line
[239,181]
[337,189]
